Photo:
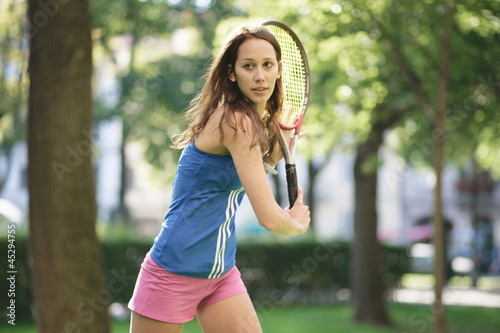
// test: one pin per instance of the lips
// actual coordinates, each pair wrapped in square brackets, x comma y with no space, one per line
[259,89]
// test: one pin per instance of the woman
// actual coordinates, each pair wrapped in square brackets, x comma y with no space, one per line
[231,136]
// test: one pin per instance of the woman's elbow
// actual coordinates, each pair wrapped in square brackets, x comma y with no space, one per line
[273,222]
[269,225]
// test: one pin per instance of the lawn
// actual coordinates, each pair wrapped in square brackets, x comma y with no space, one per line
[322,319]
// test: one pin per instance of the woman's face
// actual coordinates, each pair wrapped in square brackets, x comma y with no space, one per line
[255,71]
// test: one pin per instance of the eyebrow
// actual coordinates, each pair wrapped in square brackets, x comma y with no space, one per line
[252,59]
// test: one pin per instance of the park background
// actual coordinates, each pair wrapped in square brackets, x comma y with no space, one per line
[392,84]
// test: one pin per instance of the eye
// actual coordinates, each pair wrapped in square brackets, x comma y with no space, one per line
[268,64]
[247,66]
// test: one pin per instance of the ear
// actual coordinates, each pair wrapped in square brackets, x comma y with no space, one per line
[279,70]
[231,74]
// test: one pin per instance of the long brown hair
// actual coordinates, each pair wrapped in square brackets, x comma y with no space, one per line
[219,90]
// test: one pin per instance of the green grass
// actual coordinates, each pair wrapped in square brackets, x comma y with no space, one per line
[427,281]
[323,319]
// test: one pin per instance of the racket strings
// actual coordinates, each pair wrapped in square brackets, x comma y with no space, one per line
[293,76]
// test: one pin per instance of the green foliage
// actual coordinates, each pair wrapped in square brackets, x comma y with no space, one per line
[416,28]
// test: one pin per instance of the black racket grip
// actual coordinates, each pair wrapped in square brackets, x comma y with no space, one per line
[291,180]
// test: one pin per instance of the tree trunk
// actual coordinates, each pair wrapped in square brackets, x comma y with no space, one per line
[367,286]
[439,257]
[123,213]
[66,265]
[438,116]
[439,139]
[474,207]
[366,275]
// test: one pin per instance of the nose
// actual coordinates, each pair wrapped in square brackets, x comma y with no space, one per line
[259,74]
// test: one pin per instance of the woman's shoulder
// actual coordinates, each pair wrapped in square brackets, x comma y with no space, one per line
[228,120]
[208,139]
[221,128]
[236,119]
[225,127]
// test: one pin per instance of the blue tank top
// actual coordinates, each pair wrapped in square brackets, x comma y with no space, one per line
[198,238]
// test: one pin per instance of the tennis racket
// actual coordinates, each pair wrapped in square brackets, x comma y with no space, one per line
[296,84]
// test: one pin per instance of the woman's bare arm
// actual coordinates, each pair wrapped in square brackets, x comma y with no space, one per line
[248,162]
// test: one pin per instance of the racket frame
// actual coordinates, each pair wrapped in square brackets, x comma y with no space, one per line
[289,151]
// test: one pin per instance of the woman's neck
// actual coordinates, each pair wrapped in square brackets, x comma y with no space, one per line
[261,109]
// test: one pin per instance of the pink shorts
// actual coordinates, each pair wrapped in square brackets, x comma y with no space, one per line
[165,296]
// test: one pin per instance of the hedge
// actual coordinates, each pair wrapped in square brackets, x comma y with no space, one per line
[274,274]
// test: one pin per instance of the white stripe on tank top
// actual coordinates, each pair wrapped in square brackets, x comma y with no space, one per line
[224,234]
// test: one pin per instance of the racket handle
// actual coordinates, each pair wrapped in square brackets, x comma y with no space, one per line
[291,180]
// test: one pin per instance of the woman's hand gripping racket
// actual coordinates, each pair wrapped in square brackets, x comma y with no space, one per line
[296,86]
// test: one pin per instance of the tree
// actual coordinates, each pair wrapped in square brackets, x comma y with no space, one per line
[366,276]
[427,48]
[437,115]
[67,275]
